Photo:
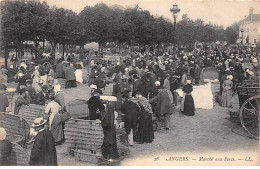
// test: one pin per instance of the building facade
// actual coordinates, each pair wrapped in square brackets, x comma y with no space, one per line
[249,28]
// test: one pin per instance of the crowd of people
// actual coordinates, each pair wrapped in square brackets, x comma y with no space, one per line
[144,85]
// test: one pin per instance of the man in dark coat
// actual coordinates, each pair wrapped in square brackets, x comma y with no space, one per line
[23,99]
[5,148]
[174,85]
[42,96]
[3,99]
[31,90]
[164,107]
[95,105]
[59,70]
[70,76]
[136,83]
[10,74]
[197,72]
[43,152]
[130,110]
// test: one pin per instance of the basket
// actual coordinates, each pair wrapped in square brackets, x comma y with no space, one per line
[31,112]
[18,156]
[14,138]
[87,156]
[17,128]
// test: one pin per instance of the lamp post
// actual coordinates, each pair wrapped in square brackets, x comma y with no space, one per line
[242,31]
[174,10]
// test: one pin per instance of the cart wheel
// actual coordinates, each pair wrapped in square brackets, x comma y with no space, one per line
[249,116]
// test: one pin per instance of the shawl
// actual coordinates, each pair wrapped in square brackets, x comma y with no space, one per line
[142,101]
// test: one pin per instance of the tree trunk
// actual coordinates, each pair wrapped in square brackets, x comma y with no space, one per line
[101,50]
[63,49]
[36,44]
[6,52]
[119,46]
[16,51]
[19,51]
[43,44]
[53,45]
[98,48]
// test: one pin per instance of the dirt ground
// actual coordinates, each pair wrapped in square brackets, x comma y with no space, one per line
[207,134]
[208,138]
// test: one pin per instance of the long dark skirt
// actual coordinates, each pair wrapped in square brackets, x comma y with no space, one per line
[71,83]
[189,108]
[109,146]
[144,132]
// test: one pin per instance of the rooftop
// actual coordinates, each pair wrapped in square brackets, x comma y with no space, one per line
[253,18]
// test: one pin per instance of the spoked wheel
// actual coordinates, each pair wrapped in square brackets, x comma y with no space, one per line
[249,116]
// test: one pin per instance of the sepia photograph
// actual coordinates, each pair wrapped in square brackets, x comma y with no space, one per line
[129,82]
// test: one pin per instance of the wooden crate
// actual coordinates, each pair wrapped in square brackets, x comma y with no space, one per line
[87,156]
[31,112]
[84,134]
[18,156]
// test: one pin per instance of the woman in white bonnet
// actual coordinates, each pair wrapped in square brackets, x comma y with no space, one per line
[36,79]
[227,92]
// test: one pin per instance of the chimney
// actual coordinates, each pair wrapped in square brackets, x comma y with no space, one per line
[251,12]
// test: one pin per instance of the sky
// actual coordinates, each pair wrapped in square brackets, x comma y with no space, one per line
[221,12]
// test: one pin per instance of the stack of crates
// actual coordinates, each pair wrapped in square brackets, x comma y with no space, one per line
[85,138]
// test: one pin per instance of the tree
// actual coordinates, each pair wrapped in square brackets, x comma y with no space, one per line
[35,22]
[97,21]
[231,35]
[62,27]
[12,24]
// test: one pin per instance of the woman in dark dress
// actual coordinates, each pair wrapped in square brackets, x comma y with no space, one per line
[109,146]
[144,132]
[187,104]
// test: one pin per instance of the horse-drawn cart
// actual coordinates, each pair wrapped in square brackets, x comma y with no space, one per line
[249,99]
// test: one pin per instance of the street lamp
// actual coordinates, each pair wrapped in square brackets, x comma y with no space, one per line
[242,31]
[174,10]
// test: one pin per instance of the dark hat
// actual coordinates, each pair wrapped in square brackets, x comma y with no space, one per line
[135,76]
[28,81]
[45,88]
[125,96]
[22,90]
[52,95]
[135,92]
[2,87]
[98,91]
